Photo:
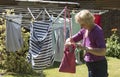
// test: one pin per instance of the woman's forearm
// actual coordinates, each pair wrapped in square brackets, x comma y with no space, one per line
[96,51]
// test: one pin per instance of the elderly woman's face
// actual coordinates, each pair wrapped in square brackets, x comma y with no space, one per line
[84,26]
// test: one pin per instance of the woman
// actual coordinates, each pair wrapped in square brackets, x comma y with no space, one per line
[93,44]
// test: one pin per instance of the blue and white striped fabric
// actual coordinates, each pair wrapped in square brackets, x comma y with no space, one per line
[40,49]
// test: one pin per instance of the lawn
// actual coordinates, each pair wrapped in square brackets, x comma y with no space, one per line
[81,71]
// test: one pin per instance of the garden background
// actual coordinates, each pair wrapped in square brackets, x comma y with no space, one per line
[15,64]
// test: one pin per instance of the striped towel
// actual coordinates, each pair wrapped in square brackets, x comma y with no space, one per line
[40,49]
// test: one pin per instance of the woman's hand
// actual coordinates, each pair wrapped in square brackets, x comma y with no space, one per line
[69,41]
[78,45]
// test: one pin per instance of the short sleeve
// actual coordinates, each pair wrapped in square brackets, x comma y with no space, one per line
[78,36]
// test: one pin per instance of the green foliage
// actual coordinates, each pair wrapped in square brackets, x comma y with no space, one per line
[113,46]
[18,64]
[16,61]
[2,41]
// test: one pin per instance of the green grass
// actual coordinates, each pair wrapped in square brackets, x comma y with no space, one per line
[114,67]
[81,71]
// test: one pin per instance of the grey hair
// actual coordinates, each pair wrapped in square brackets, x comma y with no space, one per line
[84,17]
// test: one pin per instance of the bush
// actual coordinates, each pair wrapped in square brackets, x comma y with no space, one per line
[16,61]
[17,64]
[113,45]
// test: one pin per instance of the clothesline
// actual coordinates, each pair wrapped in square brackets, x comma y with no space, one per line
[43,13]
[93,11]
[33,11]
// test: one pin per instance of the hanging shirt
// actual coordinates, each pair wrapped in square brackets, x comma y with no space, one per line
[14,39]
[41,45]
[75,26]
[59,42]
[59,37]
[97,19]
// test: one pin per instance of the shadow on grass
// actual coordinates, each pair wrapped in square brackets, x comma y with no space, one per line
[57,64]
[33,74]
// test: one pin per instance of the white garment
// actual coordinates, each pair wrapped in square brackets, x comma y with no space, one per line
[59,37]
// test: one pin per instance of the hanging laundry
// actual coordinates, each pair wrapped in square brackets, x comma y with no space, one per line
[40,50]
[14,39]
[68,61]
[75,26]
[97,19]
[59,38]
[59,44]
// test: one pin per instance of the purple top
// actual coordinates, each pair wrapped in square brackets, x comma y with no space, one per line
[95,39]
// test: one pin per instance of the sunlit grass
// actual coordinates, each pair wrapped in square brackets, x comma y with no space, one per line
[81,71]
[114,67]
